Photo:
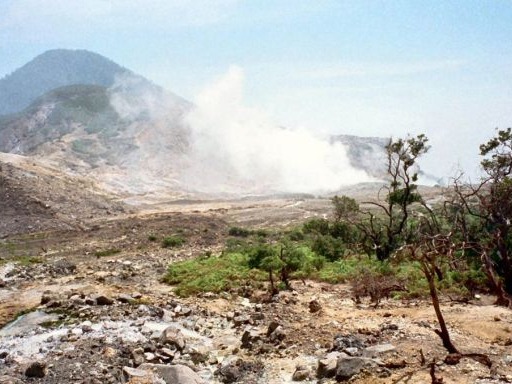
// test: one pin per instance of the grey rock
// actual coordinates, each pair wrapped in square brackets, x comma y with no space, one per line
[241,319]
[272,327]
[249,337]
[342,342]
[173,374]
[346,367]
[327,365]
[279,334]
[379,349]
[301,373]
[64,267]
[140,375]
[174,337]
[138,356]
[230,369]
[124,298]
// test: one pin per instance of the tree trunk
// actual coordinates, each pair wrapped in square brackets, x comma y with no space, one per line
[502,298]
[443,333]
[273,289]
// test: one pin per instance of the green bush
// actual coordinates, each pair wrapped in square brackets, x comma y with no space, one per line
[173,241]
[239,232]
[329,247]
[316,226]
[212,274]
[107,252]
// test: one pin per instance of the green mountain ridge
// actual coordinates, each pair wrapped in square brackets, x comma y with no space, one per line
[54,69]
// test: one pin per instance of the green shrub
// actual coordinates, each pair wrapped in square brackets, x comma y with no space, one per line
[152,237]
[318,226]
[107,252]
[239,232]
[296,235]
[329,247]
[172,241]
[212,274]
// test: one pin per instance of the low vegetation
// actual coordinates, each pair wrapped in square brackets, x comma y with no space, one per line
[107,252]
[173,241]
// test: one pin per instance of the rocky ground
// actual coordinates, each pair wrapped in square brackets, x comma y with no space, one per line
[90,308]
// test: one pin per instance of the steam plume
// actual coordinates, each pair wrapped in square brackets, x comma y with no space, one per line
[234,148]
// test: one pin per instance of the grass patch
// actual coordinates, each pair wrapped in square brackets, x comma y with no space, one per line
[173,241]
[107,252]
[152,238]
[212,274]
[27,260]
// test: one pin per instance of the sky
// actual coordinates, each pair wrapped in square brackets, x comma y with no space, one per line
[362,67]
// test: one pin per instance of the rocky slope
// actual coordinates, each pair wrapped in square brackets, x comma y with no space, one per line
[36,197]
[108,319]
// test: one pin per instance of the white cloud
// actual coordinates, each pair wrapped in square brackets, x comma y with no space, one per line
[31,18]
[341,70]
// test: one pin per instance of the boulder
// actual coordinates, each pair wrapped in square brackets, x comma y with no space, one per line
[346,367]
[327,365]
[173,374]
[314,306]
[174,337]
[36,369]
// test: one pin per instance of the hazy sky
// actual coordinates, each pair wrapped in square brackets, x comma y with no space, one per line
[364,67]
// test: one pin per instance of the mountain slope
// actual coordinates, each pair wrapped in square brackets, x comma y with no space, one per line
[54,69]
[35,196]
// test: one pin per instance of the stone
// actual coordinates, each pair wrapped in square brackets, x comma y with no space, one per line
[301,373]
[198,353]
[272,327]
[136,376]
[230,370]
[314,306]
[173,373]
[379,349]
[346,367]
[327,365]
[103,300]
[185,311]
[149,356]
[279,334]
[249,337]
[64,267]
[36,369]
[342,342]
[240,320]
[138,356]
[174,337]
[124,298]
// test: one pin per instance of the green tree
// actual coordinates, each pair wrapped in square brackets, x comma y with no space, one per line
[485,214]
[390,227]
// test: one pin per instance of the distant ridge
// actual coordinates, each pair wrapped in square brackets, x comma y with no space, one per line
[53,69]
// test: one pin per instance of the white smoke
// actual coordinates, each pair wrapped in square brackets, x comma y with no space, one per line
[218,145]
[237,149]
